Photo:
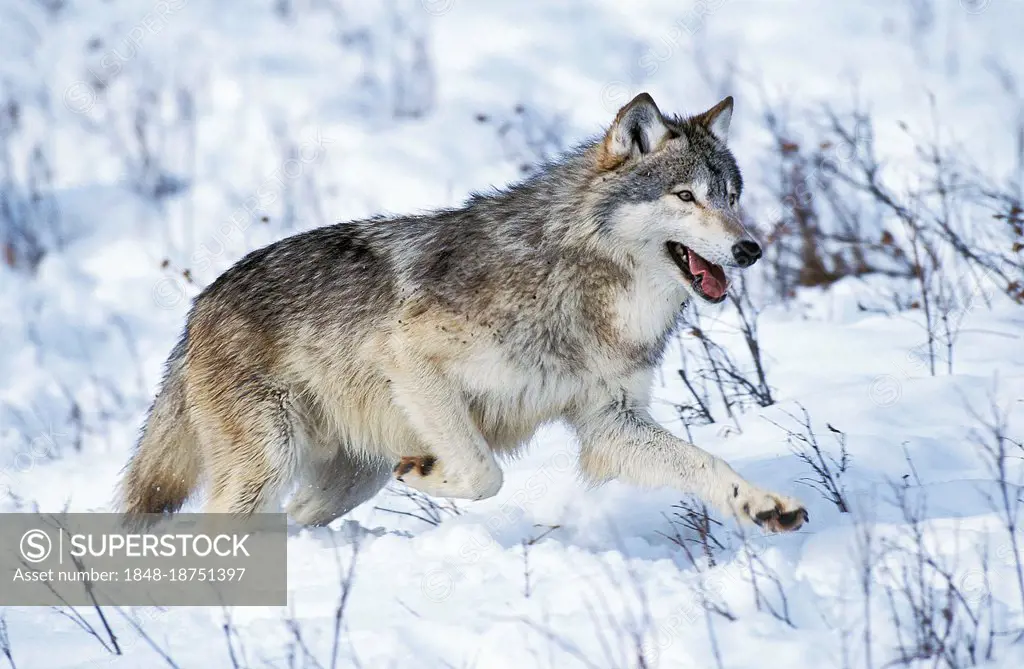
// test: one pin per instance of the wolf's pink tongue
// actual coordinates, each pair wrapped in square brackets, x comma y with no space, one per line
[711,276]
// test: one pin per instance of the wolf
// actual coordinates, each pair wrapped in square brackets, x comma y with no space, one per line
[428,348]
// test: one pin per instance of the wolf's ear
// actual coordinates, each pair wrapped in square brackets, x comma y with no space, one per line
[717,119]
[638,129]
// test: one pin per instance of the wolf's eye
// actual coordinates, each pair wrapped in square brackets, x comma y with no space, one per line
[686,196]
[732,199]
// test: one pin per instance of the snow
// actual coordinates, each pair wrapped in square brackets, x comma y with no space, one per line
[90,331]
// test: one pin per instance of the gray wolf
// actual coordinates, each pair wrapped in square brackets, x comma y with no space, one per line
[427,347]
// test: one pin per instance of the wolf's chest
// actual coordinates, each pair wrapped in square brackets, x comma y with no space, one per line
[642,317]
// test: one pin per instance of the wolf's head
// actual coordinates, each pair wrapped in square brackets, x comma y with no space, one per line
[670,193]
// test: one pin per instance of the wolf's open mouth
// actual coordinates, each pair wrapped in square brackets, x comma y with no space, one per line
[706,278]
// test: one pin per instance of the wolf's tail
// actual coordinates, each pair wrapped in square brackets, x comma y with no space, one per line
[165,469]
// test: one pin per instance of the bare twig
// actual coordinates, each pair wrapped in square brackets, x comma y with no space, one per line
[828,470]
[999,450]
[429,510]
[5,641]
[164,655]
[346,580]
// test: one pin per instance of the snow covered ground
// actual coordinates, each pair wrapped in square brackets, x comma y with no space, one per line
[332,110]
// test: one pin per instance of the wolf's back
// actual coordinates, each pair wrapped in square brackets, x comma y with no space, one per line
[165,468]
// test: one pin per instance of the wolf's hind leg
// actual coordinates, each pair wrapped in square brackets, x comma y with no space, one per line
[251,445]
[333,487]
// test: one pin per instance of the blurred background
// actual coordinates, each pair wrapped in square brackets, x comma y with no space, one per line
[145,146]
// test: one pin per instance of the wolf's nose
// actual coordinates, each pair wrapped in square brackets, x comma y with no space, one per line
[746,252]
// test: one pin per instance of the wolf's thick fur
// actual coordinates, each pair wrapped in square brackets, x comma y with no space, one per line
[445,339]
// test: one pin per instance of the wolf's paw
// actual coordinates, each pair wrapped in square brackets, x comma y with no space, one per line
[420,466]
[775,513]
[307,508]
[429,475]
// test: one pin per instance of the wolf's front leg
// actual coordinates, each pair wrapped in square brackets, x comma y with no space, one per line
[460,463]
[622,441]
